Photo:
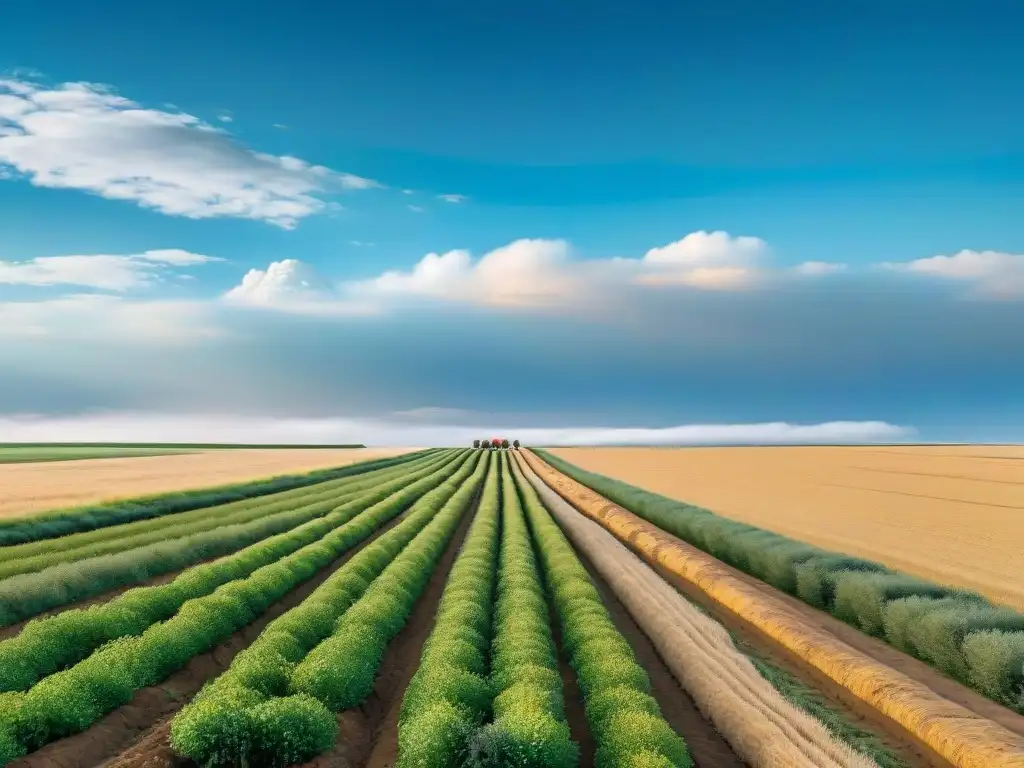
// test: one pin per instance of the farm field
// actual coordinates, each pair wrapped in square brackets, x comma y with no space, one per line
[953,514]
[454,608]
[17,454]
[45,485]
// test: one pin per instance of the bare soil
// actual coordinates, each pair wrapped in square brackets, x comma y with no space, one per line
[138,734]
[954,514]
[38,487]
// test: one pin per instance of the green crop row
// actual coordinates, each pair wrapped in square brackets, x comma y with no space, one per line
[31,593]
[624,718]
[50,525]
[37,556]
[957,632]
[70,701]
[529,725]
[47,645]
[258,712]
[450,696]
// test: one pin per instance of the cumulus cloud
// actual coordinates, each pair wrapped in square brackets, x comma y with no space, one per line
[154,427]
[453,198]
[416,208]
[524,273]
[101,271]
[992,274]
[84,136]
[293,286]
[708,260]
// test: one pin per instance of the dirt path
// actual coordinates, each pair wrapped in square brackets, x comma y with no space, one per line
[368,734]
[40,487]
[138,733]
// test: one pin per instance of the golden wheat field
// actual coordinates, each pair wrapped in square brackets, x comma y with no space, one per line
[36,487]
[954,514]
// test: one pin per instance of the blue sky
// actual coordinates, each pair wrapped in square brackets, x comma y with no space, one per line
[653,214]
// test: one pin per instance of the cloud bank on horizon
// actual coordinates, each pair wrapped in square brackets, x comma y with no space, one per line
[403,431]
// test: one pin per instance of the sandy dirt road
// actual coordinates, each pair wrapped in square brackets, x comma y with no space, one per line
[37,487]
[949,513]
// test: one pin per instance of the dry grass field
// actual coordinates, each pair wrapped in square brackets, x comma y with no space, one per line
[954,514]
[36,487]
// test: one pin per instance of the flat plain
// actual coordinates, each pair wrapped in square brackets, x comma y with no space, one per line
[39,486]
[953,514]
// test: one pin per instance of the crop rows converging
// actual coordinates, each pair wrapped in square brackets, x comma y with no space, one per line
[443,609]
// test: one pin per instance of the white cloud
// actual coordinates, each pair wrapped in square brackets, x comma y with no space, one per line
[415,208]
[100,317]
[280,126]
[83,136]
[102,271]
[707,260]
[819,268]
[153,427]
[225,118]
[291,285]
[524,273]
[408,191]
[991,274]
[453,198]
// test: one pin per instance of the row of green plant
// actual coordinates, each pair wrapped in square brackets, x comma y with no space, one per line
[275,705]
[29,594]
[316,499]
[450,696]
[61,522]
[71,700]
[528,726]
[50,644]
[625,720]
[956,631]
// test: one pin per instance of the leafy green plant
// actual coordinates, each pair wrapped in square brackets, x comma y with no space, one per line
[529,726]
[217,725]
[71,700]
[624,718]
[450,695]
